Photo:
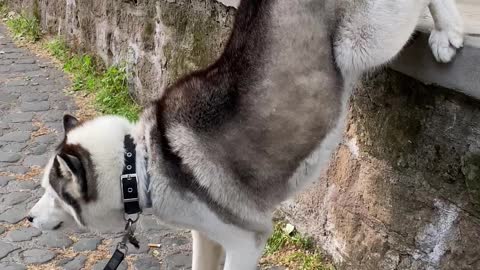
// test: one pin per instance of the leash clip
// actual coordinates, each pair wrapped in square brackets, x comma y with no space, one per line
[122,248]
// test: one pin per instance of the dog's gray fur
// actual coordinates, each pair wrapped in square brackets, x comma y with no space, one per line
[227,144]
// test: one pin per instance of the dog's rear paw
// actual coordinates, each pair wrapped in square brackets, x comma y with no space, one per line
[444,44]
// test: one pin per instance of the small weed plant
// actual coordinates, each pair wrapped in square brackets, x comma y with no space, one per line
[23,27]
[289,248]
[109,86]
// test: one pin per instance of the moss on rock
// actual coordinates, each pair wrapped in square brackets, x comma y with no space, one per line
[196,39]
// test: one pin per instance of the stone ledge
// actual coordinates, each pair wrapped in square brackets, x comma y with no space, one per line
[463,73]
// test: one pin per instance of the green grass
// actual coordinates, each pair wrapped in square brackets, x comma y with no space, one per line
[290,248]
[113,96]
[3,9]
[109,86]
[281,238]
[23,27]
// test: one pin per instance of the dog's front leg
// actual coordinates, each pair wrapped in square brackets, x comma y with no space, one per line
[447,36]
[206,253]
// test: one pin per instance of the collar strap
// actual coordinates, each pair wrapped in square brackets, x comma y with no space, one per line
[128,179]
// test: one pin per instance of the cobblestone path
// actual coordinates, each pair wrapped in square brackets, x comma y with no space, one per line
[32,104]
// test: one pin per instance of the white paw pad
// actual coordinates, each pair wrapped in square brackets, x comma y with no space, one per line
[444,44]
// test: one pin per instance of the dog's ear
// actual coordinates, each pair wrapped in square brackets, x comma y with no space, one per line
[69,122]
[71,167]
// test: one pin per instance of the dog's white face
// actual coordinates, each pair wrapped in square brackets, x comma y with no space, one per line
[81,180]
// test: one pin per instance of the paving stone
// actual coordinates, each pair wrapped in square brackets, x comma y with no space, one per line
[63,261]
[150,224]
[37,256]
[52,116]
[35,106]
[26,61]
[5,69]
[14,214]
[16,89]
[174,241]
[39,149]
[47,138]
[9,157]
[23,234]
[101,264]
[34,97]
[12,55]
[64,106]
[178,261]
[19,117]
[6,62]
[12,266]
[25,184]
[24,67]
[86,244]
[40,160]
[13,147]
[11,49]
[14,198]
[76,264]
[25,127]
[6,248]
[16,169]
[16,82]
[16,136]
[55,126]
[8,98]
[54,239]
[147,263]
[4,180]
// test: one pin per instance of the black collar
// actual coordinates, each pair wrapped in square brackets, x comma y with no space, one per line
[128,179]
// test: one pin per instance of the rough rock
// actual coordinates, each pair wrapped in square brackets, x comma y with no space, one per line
[54,240]
[76,264]
[6,248]
[147,263]
[86,244]
[37,256]
[178,261]
[23,234]
[12,266]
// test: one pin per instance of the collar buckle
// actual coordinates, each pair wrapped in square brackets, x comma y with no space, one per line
[129,187]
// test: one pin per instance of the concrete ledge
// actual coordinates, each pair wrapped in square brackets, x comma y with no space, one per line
[462,74]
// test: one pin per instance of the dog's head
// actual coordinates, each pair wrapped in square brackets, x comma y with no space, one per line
[81,179]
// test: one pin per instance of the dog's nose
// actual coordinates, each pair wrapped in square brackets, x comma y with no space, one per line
[30,218]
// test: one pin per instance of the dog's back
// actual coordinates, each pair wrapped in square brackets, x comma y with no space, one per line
[242,127]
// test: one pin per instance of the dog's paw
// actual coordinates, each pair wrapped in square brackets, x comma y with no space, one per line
[444,44]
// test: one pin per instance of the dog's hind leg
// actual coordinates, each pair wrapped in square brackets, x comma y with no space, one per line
[243,250]
[447,36]
[206,253]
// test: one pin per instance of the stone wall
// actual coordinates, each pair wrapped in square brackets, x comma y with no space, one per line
[403,191]
[158,40]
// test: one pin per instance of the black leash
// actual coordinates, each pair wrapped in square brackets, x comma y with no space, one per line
[119,255]
[129,187]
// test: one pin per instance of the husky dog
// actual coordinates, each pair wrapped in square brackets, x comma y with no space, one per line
[226,145]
